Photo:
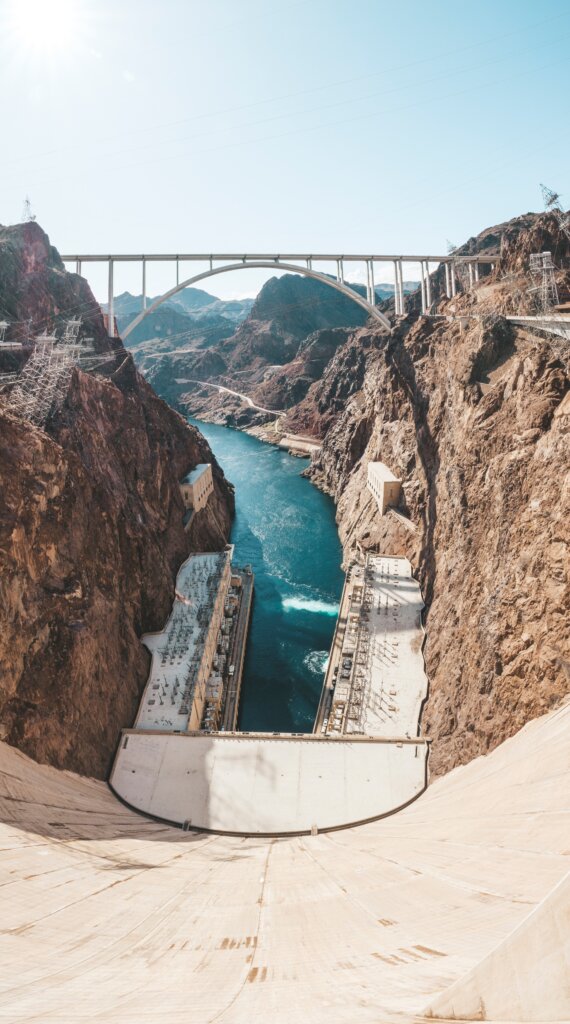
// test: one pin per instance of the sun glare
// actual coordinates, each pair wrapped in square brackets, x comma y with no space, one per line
[45,26]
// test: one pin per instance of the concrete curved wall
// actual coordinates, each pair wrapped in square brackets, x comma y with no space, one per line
[109,917]
[267,785]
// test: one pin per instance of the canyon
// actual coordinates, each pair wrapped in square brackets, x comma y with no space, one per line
[468,409]
[472,413]
[125,916]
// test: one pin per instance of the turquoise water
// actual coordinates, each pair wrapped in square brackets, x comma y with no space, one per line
[285,528]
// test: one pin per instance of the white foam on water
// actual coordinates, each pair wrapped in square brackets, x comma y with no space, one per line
[316,661]
[305,604]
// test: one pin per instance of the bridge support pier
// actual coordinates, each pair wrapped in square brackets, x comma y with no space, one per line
[397,310]
[428,286]
[476,270]
[423,286]
[340,271]
[78,267]
[470,275]
[452,278]
[447,281]
[401,288]
[371,295]
[144,283]
[110,303]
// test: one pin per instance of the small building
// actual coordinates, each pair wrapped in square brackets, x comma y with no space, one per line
[197,487]
[383,485]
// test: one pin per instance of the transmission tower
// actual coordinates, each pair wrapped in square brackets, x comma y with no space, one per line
[27,214]
[71,331]
[542,273]
[553,205]
[42,385]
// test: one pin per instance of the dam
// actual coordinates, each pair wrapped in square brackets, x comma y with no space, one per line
[186,763]
[457,902]
[180,762]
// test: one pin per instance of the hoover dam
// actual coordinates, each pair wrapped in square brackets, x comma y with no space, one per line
[158,864]
[454,908]
[453,904]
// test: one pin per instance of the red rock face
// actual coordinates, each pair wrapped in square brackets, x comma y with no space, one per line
[35,287]
[91,538]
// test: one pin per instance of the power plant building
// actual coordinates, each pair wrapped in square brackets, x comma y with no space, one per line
[197,487]
[383,485]
[185,662]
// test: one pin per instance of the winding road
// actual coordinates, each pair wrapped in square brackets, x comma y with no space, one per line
[220,387]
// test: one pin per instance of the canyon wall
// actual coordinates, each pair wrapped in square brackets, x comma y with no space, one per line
[474,416]
[91,531]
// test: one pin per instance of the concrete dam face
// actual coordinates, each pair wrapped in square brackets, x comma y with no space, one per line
[455,907]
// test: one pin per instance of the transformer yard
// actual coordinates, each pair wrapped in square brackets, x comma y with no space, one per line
[197,659]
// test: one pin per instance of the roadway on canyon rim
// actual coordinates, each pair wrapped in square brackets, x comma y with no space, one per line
[109,917]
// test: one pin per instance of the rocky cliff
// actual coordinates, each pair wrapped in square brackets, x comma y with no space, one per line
[91,532]
[36,292]
[473,414]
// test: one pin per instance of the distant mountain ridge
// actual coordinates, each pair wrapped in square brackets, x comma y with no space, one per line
[190,320]
[191,301]
[276,342]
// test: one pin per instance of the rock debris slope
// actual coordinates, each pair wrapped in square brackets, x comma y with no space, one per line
[91,533]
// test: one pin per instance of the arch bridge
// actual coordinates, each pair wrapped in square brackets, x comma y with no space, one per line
[295,263]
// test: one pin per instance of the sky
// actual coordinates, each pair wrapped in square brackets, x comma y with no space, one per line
[269,125]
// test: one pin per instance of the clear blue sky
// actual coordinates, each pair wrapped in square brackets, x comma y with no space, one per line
[269,124]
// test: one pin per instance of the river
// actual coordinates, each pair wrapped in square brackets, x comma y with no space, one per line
[285,529]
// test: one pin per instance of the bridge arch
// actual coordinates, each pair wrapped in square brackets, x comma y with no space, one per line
[339,286]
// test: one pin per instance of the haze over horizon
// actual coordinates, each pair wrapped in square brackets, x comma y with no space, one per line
[367,128]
